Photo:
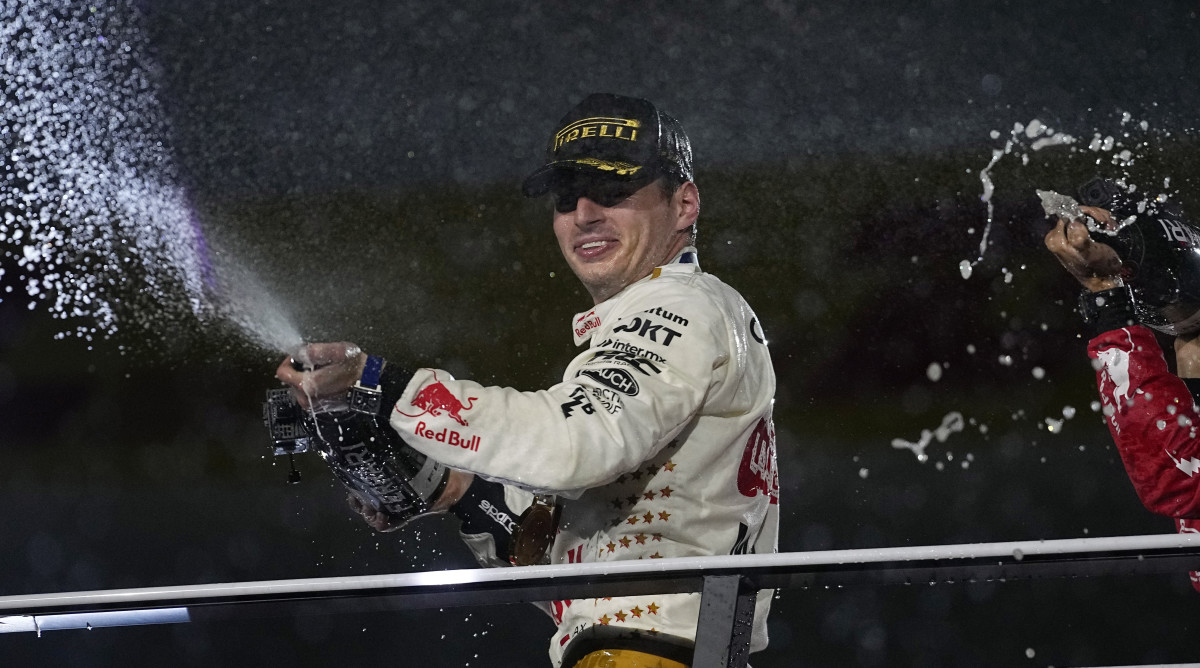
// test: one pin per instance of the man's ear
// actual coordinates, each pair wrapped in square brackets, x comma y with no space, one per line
[687,204]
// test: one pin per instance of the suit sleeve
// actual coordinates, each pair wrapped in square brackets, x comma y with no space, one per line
[1153,420]
[621,401]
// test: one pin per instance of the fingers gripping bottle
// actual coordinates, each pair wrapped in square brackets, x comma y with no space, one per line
[1160,251]
[362,451]
[372,461]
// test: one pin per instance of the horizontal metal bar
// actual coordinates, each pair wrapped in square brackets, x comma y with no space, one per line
[1080,557]
[92,620]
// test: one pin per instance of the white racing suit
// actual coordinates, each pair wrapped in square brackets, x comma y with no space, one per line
[659,436]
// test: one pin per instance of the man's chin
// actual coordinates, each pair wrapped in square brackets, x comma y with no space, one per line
[599,285]
[591,270]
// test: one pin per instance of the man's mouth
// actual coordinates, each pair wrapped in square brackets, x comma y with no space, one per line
[593,249]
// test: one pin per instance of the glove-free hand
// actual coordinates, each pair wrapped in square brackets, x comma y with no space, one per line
[376,519]
[329,371]
[1095,265]
[457,483]
[1187,356]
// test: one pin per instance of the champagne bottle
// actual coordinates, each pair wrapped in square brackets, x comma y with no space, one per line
[362,451]
[1160,251]
[372,461]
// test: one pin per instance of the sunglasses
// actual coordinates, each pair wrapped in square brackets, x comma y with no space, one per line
[603,191]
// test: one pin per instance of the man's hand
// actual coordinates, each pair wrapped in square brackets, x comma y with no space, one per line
[1095,265]
[1187,356]
[456,485]
[333,368]
[378,520]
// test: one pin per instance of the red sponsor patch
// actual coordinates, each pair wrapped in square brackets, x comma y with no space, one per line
[436,399]
[448,436]
[586,323]
[758,473]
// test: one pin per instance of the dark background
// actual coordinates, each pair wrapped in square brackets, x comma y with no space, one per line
[363,159]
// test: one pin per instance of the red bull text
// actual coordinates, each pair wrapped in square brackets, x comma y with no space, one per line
[586,323]
[448,436]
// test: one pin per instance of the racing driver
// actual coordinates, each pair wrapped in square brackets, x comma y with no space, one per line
[658,442]
[1151,413]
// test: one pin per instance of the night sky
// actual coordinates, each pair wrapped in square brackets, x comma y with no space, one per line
[269,96]
[362,162]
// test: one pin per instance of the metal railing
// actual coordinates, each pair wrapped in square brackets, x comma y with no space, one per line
[727,585]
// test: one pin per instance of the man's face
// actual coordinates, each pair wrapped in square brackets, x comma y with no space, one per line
[614,233]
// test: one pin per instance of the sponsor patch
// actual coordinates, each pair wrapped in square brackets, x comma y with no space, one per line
[608,399]
[498,515]
[758,473]
[636,351]
[667,315]
[598,126]
[619,380]
[448,436]
[586,324]
[648,329]
[579,401]
[641,364]
[436,399]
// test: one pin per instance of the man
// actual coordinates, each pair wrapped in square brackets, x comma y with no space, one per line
[659,437]
[1151,413]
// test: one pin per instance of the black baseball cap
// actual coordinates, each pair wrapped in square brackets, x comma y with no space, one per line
[625,138]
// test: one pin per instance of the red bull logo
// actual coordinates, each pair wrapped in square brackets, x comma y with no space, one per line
[436,399]
[448,436]
[586,323]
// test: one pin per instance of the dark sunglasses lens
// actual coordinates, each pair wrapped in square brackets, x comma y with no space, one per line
[565,202]
[611,193]
[605,192]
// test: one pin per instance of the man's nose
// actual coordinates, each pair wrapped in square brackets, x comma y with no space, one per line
[587,211]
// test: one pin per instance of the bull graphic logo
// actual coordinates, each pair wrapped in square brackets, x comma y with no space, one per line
[436,398]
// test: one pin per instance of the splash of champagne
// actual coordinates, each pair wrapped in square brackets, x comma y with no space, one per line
[95,225]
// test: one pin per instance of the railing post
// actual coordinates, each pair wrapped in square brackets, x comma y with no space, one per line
[726,621]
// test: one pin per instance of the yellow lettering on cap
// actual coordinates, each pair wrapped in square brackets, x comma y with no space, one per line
[622,168]
[563,137]
[597,127]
